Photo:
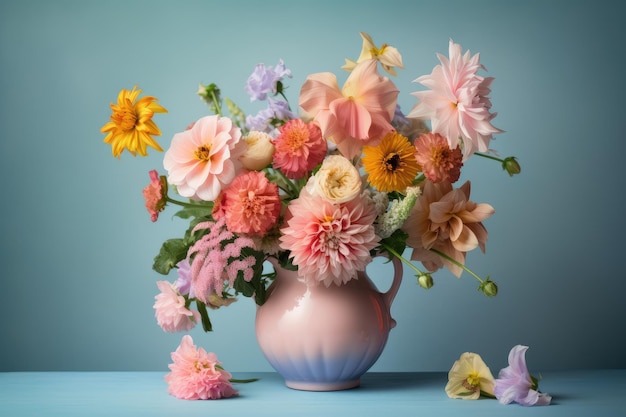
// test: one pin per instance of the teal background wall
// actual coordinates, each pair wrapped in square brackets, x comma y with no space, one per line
[77,244]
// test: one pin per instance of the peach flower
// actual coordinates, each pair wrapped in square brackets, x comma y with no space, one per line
[299,148]
[446,220]
[337,181]
[439,163]
[204,159]
[358,114]
[170,310]
[259,151]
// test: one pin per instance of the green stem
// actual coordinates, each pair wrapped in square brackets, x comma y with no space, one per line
[291,188]
[243,381]
[216,103]
[181,203]
[402,258]
[457,263]
[484,155]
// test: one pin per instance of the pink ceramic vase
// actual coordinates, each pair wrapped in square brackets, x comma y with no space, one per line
[325,338]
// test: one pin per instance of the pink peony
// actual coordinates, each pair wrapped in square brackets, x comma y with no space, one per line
[204,158]
[197,375]
[329,242]
[299,148]
[170,310]
[358,114]
[439,163]
[154,196]
[457,102]
[444,219]
[250,204]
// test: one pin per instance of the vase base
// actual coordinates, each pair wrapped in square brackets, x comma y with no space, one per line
[323,386]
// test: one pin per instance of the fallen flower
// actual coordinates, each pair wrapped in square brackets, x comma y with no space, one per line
[515,384]
[469,377]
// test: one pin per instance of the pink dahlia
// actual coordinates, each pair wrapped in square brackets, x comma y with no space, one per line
[439,163]
[329,242]
[250,204]
[197,374]
[154,195]
[170,310]
[446,220]
[457,103]
[358,114]
[299,148]
[204,158]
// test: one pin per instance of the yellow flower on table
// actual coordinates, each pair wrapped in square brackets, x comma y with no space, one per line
[131,126]
[469,377]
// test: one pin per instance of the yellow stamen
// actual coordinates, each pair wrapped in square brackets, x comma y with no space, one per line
[203,153]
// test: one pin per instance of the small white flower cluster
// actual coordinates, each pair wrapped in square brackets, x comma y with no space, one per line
[390,220]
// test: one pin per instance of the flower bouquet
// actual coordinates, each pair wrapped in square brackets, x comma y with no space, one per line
[321,190]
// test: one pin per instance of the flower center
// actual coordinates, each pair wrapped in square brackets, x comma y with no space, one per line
[472,382]
[296,138]
[203,153]
[125,119]
[392,162]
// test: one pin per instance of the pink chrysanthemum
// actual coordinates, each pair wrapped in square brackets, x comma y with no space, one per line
[197,374]
[446,220]
[250,204]
[154,195]
[329,242]
[299,148]
[170,310]
[439,163]
[204,158]
[457,103]
[218,260]
[358,114]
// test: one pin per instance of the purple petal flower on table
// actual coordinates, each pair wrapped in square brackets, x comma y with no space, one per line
[515,384]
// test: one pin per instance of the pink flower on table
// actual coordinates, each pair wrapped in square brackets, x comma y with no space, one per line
[457,103]
[170,310]
[196,374]
[329,242]
[439,163]
[358,114]
[155,195]
[446,220]
[515,384]
[299,148]
[204,159]
[250,204]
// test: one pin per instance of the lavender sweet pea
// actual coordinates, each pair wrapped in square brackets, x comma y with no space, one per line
[515,384]
[264,79]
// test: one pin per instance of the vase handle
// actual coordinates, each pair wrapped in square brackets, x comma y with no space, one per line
[389,296]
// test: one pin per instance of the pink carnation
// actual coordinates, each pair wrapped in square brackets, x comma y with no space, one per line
[250,204]
[445,219]
[170,310]
[439,163]
[299,148]
[204,159]
[154,196]
[457,103]
[197,375]
[329,242]
[358,114]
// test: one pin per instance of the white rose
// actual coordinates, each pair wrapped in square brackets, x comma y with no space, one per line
[337,180]
[259,151]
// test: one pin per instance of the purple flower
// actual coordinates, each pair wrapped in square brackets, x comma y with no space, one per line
[515,384]
[280,110]
[265,79]
[261,121]
[183,282]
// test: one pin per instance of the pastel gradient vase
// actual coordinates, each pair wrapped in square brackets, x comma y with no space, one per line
[325,338]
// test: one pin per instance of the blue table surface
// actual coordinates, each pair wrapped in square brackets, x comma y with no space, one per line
[595,393]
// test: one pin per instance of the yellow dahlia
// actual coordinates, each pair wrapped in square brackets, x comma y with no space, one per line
[391,166]
[131,126]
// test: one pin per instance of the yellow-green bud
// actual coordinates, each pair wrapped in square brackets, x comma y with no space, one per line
[511,166]
[425,281]
[489,288]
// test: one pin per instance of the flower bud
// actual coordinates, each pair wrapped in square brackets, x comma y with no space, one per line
[259,151]
[425,281]
[489,288]
[511,166]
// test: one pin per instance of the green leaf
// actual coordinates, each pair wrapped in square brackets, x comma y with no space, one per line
[206,321]
[200,210]
[172,251]
[397,241]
